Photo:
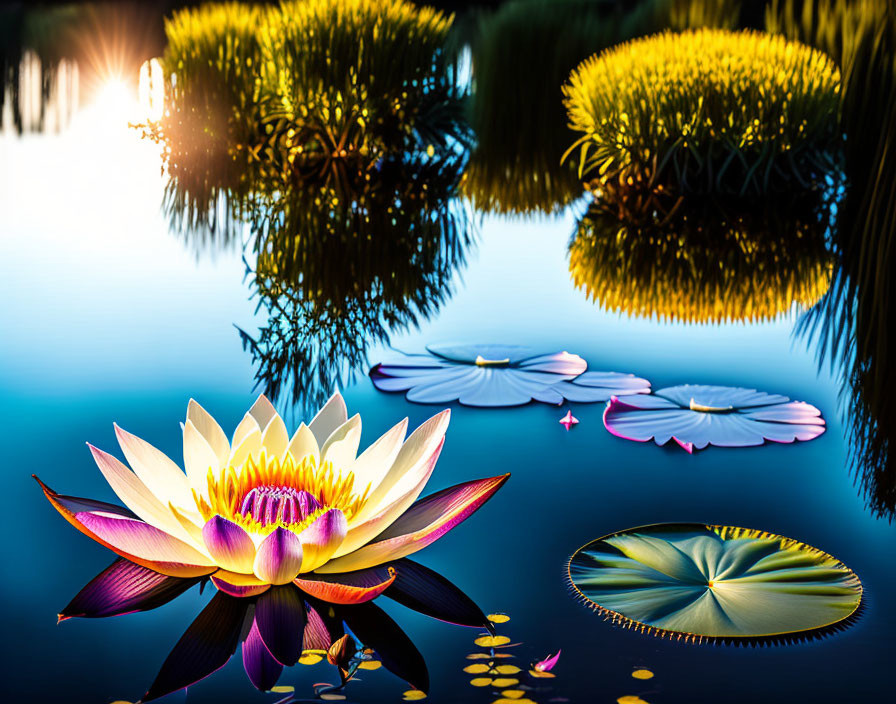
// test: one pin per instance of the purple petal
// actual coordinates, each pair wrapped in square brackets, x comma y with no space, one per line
[548,663]
[229,544]
[261,668]
[322,538]
[239,585]
[279,557]
[280,619]
[206,646]
[419,588]
[396,651]
[123,588]
[322,627]
[422,524]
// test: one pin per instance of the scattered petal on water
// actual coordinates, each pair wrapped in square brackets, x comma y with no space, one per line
[331,697]
[642,674]
[695,416]
[498,618]
[283,689]
[507,700]
[698,580]
[569,420]
[481,681]
[311,657]
[370,665]
[506,669]
[491,641]
[630,699]
[413,695]
[512,693]
[538,673]
[548,663]
[501,682]
[476,669]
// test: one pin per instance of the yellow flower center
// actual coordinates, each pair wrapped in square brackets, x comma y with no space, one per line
[270,492]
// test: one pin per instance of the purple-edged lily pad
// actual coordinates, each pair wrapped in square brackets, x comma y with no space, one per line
[695,416]
[479,375]
[598,387]
[493,376]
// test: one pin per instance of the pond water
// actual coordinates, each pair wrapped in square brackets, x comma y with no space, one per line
[110,315]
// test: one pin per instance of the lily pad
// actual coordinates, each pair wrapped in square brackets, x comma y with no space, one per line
[717,582]
[492,375]
[695,415]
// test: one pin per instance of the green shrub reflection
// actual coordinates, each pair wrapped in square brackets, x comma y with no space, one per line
[710,263]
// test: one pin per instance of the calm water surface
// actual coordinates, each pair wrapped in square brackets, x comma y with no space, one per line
[108,316]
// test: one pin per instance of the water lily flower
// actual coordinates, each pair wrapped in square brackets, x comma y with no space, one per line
[267,508]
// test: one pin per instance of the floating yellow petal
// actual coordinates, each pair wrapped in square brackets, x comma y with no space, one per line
[491,641]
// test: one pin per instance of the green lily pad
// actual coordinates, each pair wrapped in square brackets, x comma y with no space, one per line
[717,582]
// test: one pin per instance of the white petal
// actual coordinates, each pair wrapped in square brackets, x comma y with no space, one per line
[134,494]
[303,444]
[411,486]
[331,416]
[210,430]
[275,438]
[413,454]
[156,470]
[198,458]
[262,411]
[376,460]
[246,426]
[251,445]
[341,448]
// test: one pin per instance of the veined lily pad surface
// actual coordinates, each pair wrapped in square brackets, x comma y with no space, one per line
[491,375]
[712,581]
[695,415]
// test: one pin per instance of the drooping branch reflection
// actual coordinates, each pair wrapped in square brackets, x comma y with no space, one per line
[334,163]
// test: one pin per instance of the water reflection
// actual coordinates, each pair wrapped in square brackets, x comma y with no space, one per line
[337,275]
[708,262]
[282,627]
[335,168]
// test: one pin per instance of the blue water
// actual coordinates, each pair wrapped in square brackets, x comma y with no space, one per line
[107,316]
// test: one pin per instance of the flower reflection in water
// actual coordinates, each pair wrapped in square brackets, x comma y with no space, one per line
[282,627]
